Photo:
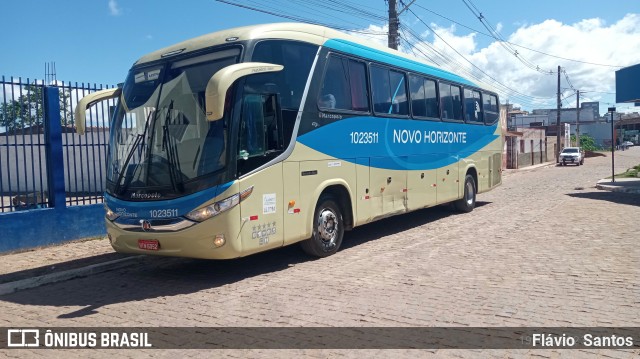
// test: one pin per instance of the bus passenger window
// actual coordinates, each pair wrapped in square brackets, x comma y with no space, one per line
[424,99]
[451,101]
[491,110]
[418,104]
[473,107]
[389,91]
[344,86]
[335,87]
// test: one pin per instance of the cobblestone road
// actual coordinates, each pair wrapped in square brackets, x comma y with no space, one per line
[544,249]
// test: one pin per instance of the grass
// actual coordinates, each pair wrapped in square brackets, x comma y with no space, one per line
[630,173]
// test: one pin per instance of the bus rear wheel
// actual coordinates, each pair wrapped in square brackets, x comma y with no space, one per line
[468,202]
[328,229]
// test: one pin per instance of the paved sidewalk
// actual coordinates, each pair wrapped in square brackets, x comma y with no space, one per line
[43,265]
[625,185]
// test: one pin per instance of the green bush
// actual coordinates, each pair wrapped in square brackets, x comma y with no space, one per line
[587,142]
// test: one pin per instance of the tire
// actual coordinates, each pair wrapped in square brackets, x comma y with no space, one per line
[468,202]
[328,229]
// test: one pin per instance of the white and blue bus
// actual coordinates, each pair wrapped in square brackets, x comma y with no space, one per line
[253,138]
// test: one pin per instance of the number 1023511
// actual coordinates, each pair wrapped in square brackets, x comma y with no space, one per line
[364,137]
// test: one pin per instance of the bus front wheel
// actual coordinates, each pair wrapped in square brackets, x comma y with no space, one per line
[328,229]
[468,202]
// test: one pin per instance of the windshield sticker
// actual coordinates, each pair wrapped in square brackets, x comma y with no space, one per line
[268,203]
[140,77]
[153,75]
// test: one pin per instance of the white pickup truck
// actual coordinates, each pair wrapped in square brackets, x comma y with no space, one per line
[573,155]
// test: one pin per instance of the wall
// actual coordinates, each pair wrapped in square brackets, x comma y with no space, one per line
[24,161]
[528,147]
[59,222]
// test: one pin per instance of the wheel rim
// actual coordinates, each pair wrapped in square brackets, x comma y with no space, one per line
[469,193]
[328,227]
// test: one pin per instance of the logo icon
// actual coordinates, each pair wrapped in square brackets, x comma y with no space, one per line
[146,226]
[22,338]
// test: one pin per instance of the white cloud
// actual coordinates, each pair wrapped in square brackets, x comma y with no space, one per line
[589,40]
[374,34]
[114,8]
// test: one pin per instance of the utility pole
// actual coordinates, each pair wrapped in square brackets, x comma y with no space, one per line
[558,122]
[611,111]
[577,118]
[394,23]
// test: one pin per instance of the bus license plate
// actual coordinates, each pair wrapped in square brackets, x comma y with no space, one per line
[148,244]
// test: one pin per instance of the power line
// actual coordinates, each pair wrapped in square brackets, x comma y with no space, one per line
[505,87]
[301,19]
[514,44]
[418,47]
[476,12]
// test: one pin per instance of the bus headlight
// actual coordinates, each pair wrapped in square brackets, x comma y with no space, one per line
[111,215]
[215,209]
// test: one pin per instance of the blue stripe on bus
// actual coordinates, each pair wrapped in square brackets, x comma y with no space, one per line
[394,60]
[184,205]
[401,144]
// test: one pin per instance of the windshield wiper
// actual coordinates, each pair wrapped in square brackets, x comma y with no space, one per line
[139,138]
[172,152]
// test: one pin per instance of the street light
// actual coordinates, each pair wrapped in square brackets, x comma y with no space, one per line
[611,110]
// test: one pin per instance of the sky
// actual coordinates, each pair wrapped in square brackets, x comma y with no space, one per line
[97,41]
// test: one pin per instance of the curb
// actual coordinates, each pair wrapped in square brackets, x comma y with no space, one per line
[28,283]
[619,189]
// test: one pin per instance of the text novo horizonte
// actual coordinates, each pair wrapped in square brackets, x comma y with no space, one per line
[418,136]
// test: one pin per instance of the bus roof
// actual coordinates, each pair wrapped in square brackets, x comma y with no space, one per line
[319,35]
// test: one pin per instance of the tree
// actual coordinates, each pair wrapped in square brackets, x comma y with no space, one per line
[587,142]
[28,109]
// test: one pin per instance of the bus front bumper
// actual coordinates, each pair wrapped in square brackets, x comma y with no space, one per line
[196,241]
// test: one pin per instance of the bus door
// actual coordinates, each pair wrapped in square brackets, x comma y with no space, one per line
[260,140]
[448,181]
[388,186]
[421,185]
[495,168]
[363,191]
[295,223]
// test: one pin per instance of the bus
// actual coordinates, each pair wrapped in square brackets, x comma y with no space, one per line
[257,137]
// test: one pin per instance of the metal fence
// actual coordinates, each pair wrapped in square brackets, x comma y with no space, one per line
[29,126]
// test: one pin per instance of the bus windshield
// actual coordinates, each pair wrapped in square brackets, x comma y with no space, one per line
[162,145]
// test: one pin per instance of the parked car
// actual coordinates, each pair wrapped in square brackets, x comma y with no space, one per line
[627,143]
[573,155]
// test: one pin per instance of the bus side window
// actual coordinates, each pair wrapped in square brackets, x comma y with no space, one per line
[344,86]
[473,107]
[451,102]
[252,139]
[491,109]
[260,135]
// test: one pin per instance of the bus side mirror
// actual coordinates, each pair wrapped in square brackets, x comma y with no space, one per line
[221,81]
[80,113]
